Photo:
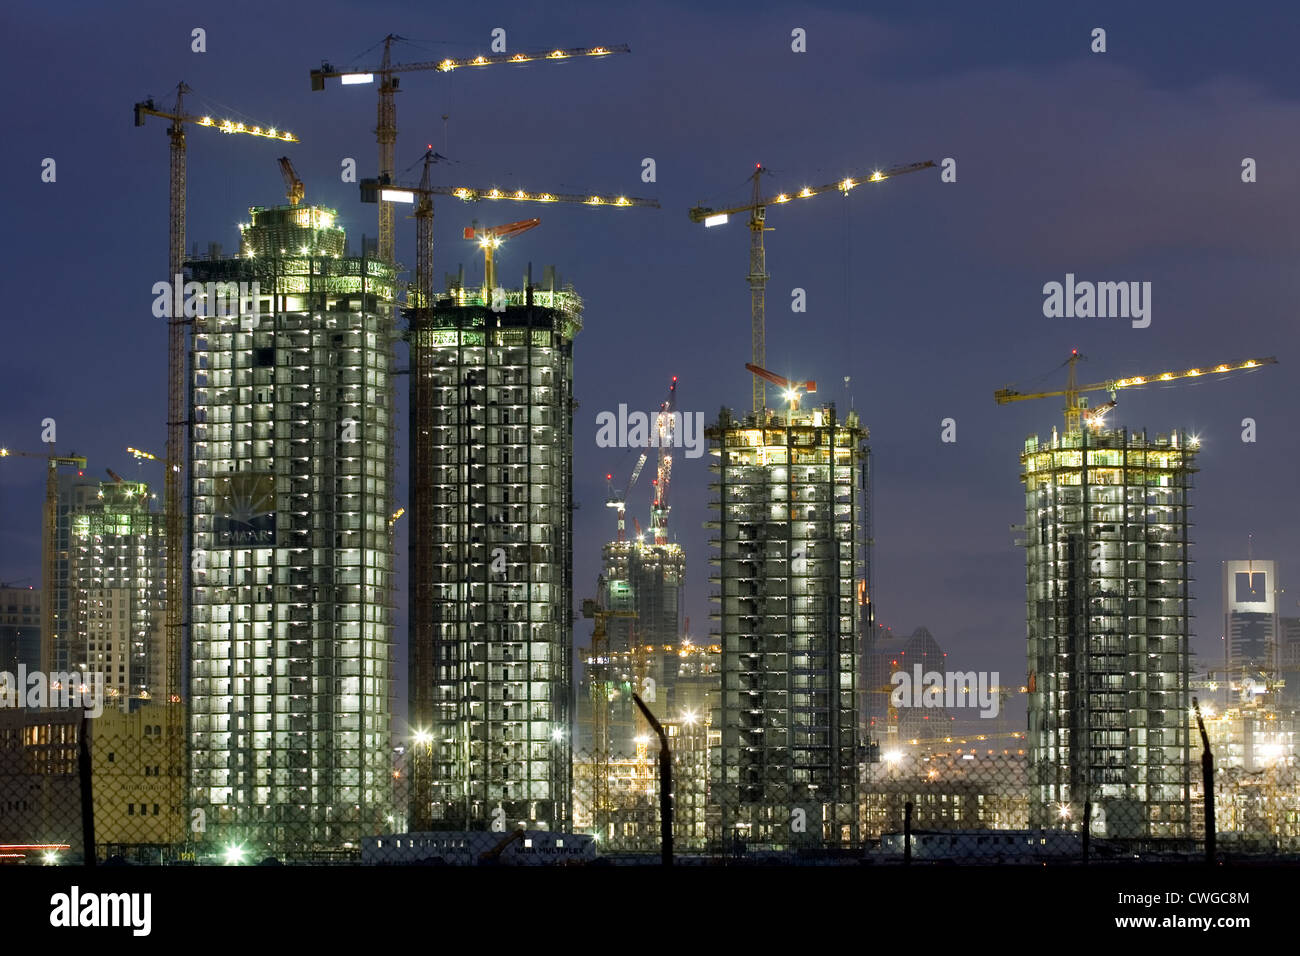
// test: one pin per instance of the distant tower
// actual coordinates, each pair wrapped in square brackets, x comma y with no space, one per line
[116,561]
[492,559]
[792,578]
[291,568]
[1250,626]
[1108,627]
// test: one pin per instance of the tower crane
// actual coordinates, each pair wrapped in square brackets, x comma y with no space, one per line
[757,209]
[789,389]
[50,538]
[665,433]
[173,499]
[382,190]
[293,186]
[386,127]
[615,500]
[490,238]
[1076,406]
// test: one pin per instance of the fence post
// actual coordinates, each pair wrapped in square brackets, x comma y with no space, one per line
[907,832]
[665,785]
[84,770]
[1207,776]
[1087,828]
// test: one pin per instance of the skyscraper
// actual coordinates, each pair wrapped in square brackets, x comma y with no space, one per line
[20,628]
[492,558]
[117,573]
[1108,623]
[792,572]
[292,485]
[646,579]
[1250,623]
[60,650]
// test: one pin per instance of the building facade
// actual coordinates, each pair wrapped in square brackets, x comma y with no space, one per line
[792,584]
[292,475]
[492,559]
[1251,628]
[1107,518]
[117,599]
[20,628]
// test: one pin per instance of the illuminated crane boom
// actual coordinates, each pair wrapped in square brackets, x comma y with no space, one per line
[757,209]
[386,126]
[789,389]
[1075,405]
[293,187]
[490,239]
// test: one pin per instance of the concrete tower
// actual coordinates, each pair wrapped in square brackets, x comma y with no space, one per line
[792,572]
[291,570]
[492,559]
[1107,570]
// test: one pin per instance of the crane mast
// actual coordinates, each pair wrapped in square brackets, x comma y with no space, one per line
[758,276]
[758,287]
[665,434]
[177,414]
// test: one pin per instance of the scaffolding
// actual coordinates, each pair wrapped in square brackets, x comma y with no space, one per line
[789,509]
[491,557]
[1107,603]
[292,484]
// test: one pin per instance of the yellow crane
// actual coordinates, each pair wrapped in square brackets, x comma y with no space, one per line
[1076,406]
[383,190]
[49,539]
[757,209]
[386,127]
[293,187]
[177,414]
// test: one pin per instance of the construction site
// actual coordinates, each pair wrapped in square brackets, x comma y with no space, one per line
[248,599]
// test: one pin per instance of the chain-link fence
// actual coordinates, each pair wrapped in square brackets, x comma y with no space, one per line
[114,782]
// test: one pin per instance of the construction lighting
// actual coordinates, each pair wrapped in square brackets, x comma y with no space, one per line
[397,195]
[234,855]
[352,79]
[230,126]
[715,220]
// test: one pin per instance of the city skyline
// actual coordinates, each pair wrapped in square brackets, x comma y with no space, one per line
[905,259]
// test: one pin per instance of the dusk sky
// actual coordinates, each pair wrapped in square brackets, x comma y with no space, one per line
[1116,166]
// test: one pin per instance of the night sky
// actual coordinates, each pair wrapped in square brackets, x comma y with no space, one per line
[1122,166]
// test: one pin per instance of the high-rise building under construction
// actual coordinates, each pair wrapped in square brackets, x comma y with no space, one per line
[644,579]
[291,566]
[116,601]
[792,555]
[491,558]
[1107,522]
